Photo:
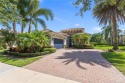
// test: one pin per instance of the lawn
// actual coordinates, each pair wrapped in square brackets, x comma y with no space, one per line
[16,61]
[117,59]
[106,47]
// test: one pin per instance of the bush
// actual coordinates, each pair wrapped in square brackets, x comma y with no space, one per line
[110,50]
[52,50]
[84,46]
[121,45]
[1,47]
[26,54]
[93,43]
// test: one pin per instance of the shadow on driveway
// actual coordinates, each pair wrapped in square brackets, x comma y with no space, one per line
[87,57]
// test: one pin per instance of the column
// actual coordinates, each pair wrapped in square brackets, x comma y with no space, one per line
[65,43]
[52,41]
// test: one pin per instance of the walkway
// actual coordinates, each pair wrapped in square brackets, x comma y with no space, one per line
[86,66]
[11,74]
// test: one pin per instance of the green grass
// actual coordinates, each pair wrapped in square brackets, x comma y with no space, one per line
[16,61]
[117,59]
[106,47]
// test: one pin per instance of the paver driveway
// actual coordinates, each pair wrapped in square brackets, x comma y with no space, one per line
[86,66]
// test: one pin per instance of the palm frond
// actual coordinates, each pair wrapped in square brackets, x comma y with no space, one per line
[104,11]
[44,12]
[41,22]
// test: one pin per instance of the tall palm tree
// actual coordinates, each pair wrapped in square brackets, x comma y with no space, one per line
[22,7]
[107,34]
[106,12]
[35,12]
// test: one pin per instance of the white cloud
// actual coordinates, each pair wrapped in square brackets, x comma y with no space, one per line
[97,29]
[60,20]
[77,25]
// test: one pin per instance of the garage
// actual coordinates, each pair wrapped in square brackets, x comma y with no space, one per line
[58,43]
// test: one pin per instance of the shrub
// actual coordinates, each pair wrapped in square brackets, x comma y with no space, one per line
[93,43]
[84,46]
[1,47]
[32,42]
[110,50]
[7,37]
[17,54]
[121,45]
[52,50]
[80,39]
[65,46]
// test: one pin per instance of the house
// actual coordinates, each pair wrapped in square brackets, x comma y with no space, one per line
[63,38]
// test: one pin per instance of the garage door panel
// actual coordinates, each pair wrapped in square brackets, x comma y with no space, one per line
[58,43]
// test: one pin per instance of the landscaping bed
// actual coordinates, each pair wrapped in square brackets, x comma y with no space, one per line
[17,54]
[26,54]
[22,59]
[83,46]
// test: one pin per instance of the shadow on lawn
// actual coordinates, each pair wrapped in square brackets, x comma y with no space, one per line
[89,57]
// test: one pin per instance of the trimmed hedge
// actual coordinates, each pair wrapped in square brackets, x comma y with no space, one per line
[51,50]
[44,52]
[84,47]
[26,54]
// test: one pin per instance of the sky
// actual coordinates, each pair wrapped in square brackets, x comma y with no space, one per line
[64,17]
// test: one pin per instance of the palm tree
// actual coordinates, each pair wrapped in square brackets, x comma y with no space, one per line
[35,12]
[107,33]
[22,7]
[106,12]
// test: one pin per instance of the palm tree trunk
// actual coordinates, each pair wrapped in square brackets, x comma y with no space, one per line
[22,29]
[36,27]
[115,37]
[30,25]
[14,26]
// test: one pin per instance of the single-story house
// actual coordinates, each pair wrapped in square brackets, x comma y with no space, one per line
[63,38]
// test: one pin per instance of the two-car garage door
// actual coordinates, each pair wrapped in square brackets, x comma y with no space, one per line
[58,43]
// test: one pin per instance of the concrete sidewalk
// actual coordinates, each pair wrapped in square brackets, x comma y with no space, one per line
[11,74]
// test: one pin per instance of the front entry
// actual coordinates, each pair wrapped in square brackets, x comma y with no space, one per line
[58,43]
[70,42]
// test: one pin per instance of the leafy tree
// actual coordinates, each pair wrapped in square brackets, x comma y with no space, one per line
[98,38]
[86,4]
[22,6]
[8,37]
[9,13]
[107,12]
[80,39]
[32,42]
[107,33]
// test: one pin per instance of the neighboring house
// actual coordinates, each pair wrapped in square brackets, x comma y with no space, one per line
[63,38]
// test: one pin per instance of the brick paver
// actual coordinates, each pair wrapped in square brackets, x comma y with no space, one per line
[86,66]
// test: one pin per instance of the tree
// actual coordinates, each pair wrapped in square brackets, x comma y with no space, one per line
[9,13]
[32,42]
[107,12]
[107,33]
[22,8]
[86,4]
[8,37]
[34,13]
[97,38]
[80,39]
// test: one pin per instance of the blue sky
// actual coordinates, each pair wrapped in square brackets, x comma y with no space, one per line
[64,17]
